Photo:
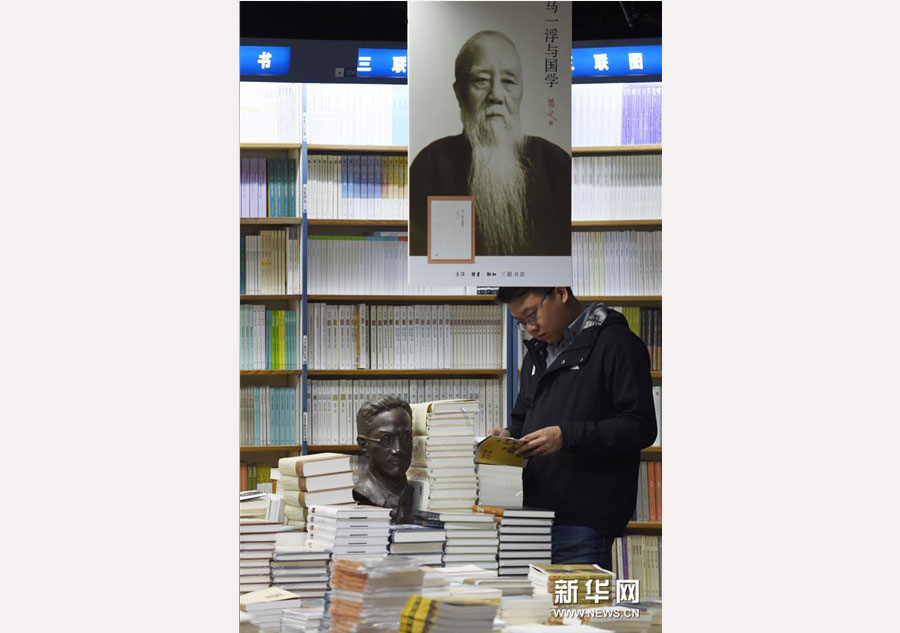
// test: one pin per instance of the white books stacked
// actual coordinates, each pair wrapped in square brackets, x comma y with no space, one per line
[525,609]
[471,538]
[443,472]
[448,615]
[525,538]
[368,593]
[257,542]
[299,569]
[254,508]
[499,485]
[354,530]
[322,479]
[266,605]
[302,620]
[423,544]
[615,619]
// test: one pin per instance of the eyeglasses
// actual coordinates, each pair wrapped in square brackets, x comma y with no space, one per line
[387,440]
[531,319]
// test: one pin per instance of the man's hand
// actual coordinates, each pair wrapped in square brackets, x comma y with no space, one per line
[544,441]
[500,432]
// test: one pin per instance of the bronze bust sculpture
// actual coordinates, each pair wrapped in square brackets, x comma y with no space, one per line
[385,437]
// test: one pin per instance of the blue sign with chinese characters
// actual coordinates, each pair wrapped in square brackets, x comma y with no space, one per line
[381,62]
[608,61]
[617,61]
[265,60]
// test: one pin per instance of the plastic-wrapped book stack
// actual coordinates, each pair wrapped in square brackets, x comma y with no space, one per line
[368,593]
[302,620]
[450,615]
[443,471]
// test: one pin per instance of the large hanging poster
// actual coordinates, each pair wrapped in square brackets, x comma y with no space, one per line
[490,143]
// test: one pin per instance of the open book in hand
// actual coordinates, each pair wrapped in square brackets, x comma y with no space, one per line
[500,451]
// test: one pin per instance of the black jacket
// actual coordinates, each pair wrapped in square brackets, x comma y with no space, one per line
[442,169]
[598,390]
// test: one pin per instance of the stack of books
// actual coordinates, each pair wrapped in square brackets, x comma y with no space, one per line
[302,620]
[593,587]
[425,545]
[456,615]
[354,530]
[499,472]
[254,505]
[321,479]
[368,593]
[299,569]
[499,485]
[471,538]
[257,542]
[525,609]
[460,573]
[266,605]
[443,470]
[525,537]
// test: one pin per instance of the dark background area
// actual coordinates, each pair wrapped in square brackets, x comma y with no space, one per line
[386,21]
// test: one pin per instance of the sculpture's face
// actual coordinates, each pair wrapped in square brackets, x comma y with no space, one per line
[389,444]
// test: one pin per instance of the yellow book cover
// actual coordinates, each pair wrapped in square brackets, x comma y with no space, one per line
[500,451]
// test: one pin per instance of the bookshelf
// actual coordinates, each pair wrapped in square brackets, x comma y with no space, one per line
[271,221]
[315,228]
[643,527]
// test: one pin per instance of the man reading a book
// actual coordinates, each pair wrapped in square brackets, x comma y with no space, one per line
[385,437]
[584,412]
[520,184]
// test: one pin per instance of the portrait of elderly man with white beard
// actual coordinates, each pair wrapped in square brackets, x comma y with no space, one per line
[521,184]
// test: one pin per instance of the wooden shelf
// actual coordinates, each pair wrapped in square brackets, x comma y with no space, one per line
[398,149]
[398,373]
[271,372]
[270,145]
[333,448]
[268,449]
[373,223]
[643,526]
[270,221]
[615,225]
[629,299]
[577,225]
[343,448]
[271,297]
[618,149]
[404,298]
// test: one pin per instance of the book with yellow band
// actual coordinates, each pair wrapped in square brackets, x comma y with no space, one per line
[421,614]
